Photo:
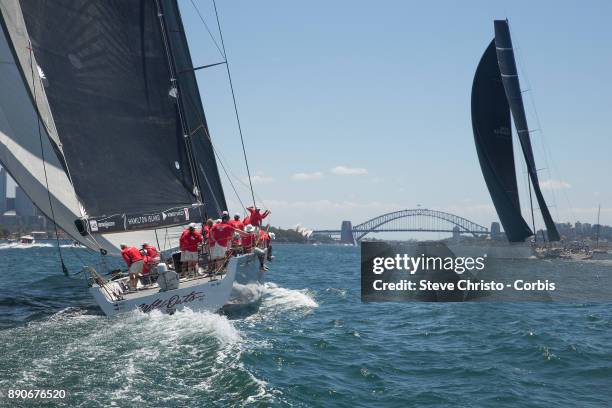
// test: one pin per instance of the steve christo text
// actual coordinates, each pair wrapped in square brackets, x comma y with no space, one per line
[464,284]
[457,264]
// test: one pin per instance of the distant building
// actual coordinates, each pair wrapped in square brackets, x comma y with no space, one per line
[3,179]
[23,205]
[456,233]
[496,231]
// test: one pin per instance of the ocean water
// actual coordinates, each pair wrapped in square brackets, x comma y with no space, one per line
[309,342]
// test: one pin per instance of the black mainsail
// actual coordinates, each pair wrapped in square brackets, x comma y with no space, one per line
[509,76]
[108,89]
[123,127]
[208,174]
[496,95]
[493,138]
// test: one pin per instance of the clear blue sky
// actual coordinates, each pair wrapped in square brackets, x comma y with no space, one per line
[385,87]
[381,91]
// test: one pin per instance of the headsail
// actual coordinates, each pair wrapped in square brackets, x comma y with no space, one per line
[27,152]
[493,138]
[509,76]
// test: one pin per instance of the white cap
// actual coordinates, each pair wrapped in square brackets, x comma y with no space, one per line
[225,213]
[237,215]
[249,228]
[193,225]
[218,220]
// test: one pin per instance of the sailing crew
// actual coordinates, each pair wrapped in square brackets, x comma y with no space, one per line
[188,244]
[255,216]
[238,226]
[237,223]
[135,262]
[151,257]
[248,239]
[206,228]
[221,233]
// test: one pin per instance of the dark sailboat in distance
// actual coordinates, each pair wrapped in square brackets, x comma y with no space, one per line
[496,96]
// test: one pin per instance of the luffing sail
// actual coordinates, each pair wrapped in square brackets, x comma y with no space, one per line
[493,138]
[123,130]
[496,94]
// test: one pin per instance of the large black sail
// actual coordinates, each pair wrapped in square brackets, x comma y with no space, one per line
[493,138]
[509,75]
[108,86]
[204,155]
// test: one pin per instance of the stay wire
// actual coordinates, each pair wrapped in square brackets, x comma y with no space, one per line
[229,76]
[212,37]
[42,153]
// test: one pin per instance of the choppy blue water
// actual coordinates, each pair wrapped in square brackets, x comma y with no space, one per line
[311,342]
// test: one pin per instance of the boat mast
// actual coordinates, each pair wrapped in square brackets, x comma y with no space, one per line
[535,232]
[175,85]
[598,226]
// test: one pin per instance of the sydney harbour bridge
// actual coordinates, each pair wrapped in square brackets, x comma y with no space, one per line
[414,220]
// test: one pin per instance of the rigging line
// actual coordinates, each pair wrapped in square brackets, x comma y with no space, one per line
[547,154]
[212,37]
[221,163]
[229,76]
[221,158]
[42,154]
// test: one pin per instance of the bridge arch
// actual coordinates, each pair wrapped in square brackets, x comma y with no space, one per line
[390,222]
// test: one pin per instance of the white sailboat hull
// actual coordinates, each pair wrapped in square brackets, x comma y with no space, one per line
[248,285]
[197,295]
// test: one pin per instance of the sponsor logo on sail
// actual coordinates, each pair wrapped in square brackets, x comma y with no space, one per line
[503,131]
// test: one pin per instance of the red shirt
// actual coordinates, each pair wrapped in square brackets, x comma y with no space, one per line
[131,255]
[264,237]
[237,224]
[206,231]
[221,233]
[189,240]
[254,218]
[151,251]
[247,240]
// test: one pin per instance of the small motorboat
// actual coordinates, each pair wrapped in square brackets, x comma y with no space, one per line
[26,240]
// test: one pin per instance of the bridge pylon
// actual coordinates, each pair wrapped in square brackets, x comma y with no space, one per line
[346,233]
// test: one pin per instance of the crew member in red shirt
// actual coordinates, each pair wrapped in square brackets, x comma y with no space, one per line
[248,239]
[255,216]
[135,262]
[189,241]
[206,228]
[238,226]
[151,257]
[221,233]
